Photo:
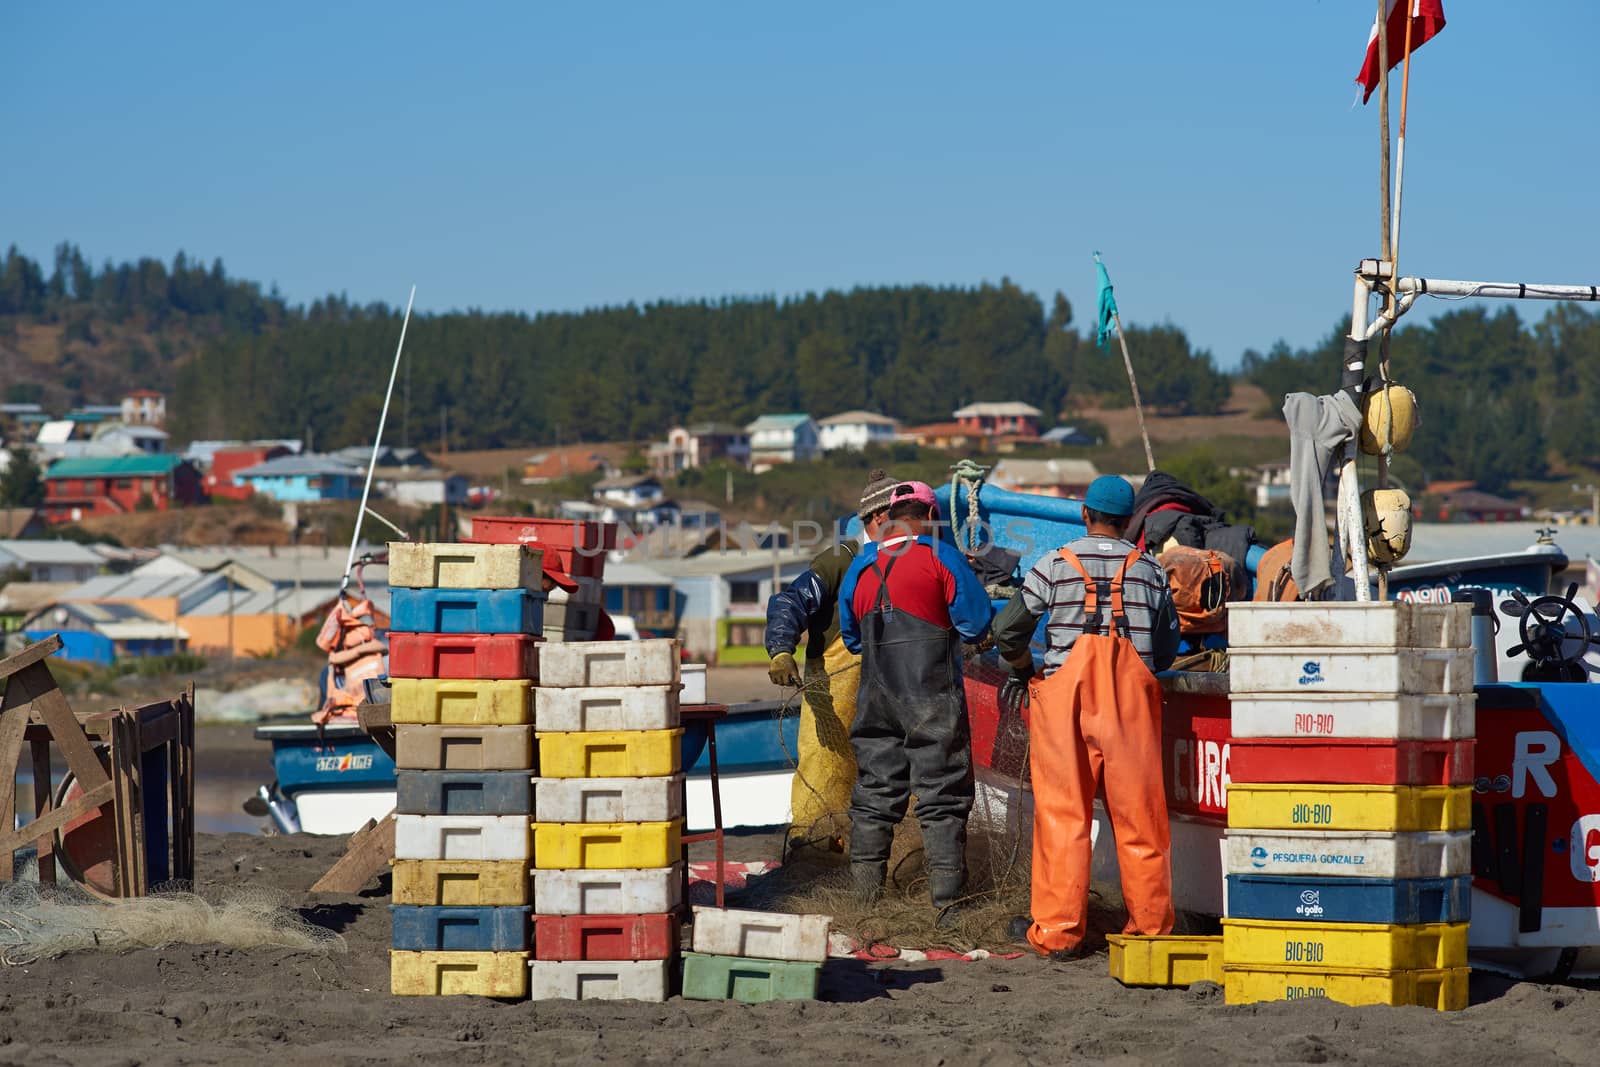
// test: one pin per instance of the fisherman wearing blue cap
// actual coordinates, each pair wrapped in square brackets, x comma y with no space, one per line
[1094,716]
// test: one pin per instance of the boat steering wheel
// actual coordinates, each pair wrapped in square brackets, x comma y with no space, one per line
[1555,646]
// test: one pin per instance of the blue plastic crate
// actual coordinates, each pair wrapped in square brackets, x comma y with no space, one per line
[451,929]
[465,793]
[1350,900]
[466,611]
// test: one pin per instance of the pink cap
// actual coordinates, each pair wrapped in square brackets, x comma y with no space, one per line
[921,492]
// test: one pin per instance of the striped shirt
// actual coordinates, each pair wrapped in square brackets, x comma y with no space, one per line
[1054,591]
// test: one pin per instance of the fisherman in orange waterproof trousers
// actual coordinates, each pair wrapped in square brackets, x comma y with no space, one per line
[1094,716]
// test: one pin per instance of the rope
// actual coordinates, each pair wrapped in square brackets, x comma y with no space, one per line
[970,473]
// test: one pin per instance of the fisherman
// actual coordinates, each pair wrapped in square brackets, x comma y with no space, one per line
[1095,715]
[906,604]
[826,767]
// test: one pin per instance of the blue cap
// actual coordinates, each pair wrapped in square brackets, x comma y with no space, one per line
[1110,495]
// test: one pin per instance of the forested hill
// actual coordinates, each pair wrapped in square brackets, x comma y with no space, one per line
[1501,400]
[240,362]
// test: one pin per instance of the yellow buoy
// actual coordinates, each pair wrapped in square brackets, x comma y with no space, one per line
[1388,417]
[1386,515]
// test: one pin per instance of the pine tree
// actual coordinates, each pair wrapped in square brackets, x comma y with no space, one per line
[21,483]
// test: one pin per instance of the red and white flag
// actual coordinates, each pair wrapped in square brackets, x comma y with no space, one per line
[1427,19]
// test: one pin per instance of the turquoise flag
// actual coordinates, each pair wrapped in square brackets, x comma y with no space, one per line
[1108,303]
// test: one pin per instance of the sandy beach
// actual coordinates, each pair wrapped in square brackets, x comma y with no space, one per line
[208,1004]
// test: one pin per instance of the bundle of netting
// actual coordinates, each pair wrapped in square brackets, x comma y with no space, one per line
[43,922]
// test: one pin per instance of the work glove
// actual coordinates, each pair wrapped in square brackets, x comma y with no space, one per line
[783,670]
[1014,690]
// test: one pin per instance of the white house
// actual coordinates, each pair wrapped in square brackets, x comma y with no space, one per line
[695,446]
[420,488]
[629,490]
[144,407]
[50,561]
[778,439]
[855,430]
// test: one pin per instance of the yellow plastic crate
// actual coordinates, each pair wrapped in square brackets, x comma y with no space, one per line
[446,974]
[461,883]
[1383,808]
[1169,960]
[414,565]
[610,753]
[1344,946]
[598,846]
[450,702]
[1443,990]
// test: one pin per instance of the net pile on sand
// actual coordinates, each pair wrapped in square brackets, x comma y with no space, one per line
[814,879]
[42,922]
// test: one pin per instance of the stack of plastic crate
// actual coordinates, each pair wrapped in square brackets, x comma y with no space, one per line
[577,550]
[607,883]
[755,956]
[463,659]
[1349,840]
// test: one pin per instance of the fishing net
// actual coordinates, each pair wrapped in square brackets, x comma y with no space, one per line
[43,922]
[814,877]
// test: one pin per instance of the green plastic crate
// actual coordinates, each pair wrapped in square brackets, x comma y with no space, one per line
[748,981]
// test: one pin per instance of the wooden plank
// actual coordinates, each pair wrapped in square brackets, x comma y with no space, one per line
[124,771]
[369,852]
[184,865]
[39,686]
[13,723]
[49,823]
[156,730]
[34,653]
[41,807]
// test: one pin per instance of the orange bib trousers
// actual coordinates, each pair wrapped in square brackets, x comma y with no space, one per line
[1097,719]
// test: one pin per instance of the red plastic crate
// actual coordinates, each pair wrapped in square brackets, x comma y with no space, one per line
[579,547]
[484,656]
[605,937]
[1350,761]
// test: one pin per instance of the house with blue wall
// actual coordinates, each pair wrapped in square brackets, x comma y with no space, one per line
[102,633]
[303,478]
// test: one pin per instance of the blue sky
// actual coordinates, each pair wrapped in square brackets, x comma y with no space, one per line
[541,156]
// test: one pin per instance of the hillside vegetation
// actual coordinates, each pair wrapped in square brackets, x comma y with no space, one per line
[1502,400]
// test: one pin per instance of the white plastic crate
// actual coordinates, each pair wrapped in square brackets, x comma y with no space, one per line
[1413,717]
[591,663]
[643,892]
[462,837]
[692,688]
[598,980]
[1325,854]
[451,566]
[1386,624]
[1367,673]
[609,799]
[761,935]
[610,707]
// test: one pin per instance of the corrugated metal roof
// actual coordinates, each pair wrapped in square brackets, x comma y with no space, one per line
[1000,408]
[118,466]
[143,587]
[291,466]
[779,421]
[851,418]
[47,552]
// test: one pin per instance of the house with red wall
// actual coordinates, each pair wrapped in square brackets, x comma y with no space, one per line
[226,461]
[76,489]
[1009,418]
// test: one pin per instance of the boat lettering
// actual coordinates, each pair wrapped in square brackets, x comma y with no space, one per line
[1301,992]
[1313,723]
[350,761]
[1303,951]
[1535,751]
[1584,850]
[1312,814]
[1206,763]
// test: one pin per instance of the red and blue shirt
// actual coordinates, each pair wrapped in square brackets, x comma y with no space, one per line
[929,579]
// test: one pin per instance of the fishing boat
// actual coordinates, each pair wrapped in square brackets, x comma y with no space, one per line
[1536,888]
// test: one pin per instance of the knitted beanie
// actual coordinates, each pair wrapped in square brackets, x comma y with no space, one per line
[875,497]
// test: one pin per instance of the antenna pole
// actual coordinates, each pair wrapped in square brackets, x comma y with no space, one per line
[372,463]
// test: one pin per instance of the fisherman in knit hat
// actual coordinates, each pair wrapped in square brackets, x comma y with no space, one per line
[826,765]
